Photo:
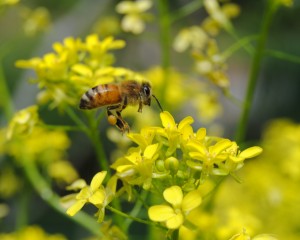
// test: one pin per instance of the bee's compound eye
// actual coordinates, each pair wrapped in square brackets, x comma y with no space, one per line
[147,90]
[112,120]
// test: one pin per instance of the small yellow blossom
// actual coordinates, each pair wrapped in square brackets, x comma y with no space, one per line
[9,182]
[287,3]
[31,233]
[221,158]
[23,122]
[211,64]
[176,134]
[133,21]
[35,20]
[8,2]
[221,14]
[193,36]
[62,171]
[94,193]
[4,210]
[181,205]
[107,26]
[136,168]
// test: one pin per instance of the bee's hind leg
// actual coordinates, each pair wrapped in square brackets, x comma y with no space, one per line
[118,121]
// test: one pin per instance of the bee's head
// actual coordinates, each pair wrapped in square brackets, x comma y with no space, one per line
[146,93]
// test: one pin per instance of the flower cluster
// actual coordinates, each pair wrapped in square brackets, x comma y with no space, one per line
[173,159]
[209,62]
[75,66]
[175,152]
[35,20]
[134,12]
[28,139]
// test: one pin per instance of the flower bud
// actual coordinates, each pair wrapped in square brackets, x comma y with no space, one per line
[160,165]
[171,164]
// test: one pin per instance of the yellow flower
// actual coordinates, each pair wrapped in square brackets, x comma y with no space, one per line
[10,183]
[8,2]
[62,171]
[107,26]
[136,168]
[35,20]
[133,21]
[287,3]
[23,122]
[193,37]
[174,215]
[31,233]
[222,14]
[94,193]
[221,158]
[176,135]
[211,64]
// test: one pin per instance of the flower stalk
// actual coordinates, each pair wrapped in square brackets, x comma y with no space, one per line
[255,70]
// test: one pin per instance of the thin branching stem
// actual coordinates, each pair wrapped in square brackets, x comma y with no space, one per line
[45,192]
[254,72]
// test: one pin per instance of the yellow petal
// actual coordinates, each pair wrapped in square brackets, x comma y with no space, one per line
[186,121]
[78,184]
[201,133]
[143,5]
[167,120]
[76,207]
[197,146]
[251,152]
[98,197]
[84,193]
[97,180]
[82,70]
[160,213]
[191,200]
[220,146]
[173,195]
[150,151]
[175,222]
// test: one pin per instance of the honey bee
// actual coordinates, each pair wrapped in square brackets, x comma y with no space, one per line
[116,96]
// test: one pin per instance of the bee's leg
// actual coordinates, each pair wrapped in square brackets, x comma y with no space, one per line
[125,126]
[114,120]
[119,116]
[140,104]
[118,121]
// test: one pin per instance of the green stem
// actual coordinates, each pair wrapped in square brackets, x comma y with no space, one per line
[186,10]
[133,218]
[23,201]
[77,120]
[137,208]
[5,99]
[165,42]
[46,193]
[254,72]
[237,45]
[283,56]
[94,135]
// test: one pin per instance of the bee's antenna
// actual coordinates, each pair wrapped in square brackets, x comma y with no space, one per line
[158,103]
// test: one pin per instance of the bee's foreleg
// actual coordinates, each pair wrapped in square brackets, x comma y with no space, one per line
[140,104]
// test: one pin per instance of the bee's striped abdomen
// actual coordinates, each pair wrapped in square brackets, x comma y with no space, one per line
[101,95]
